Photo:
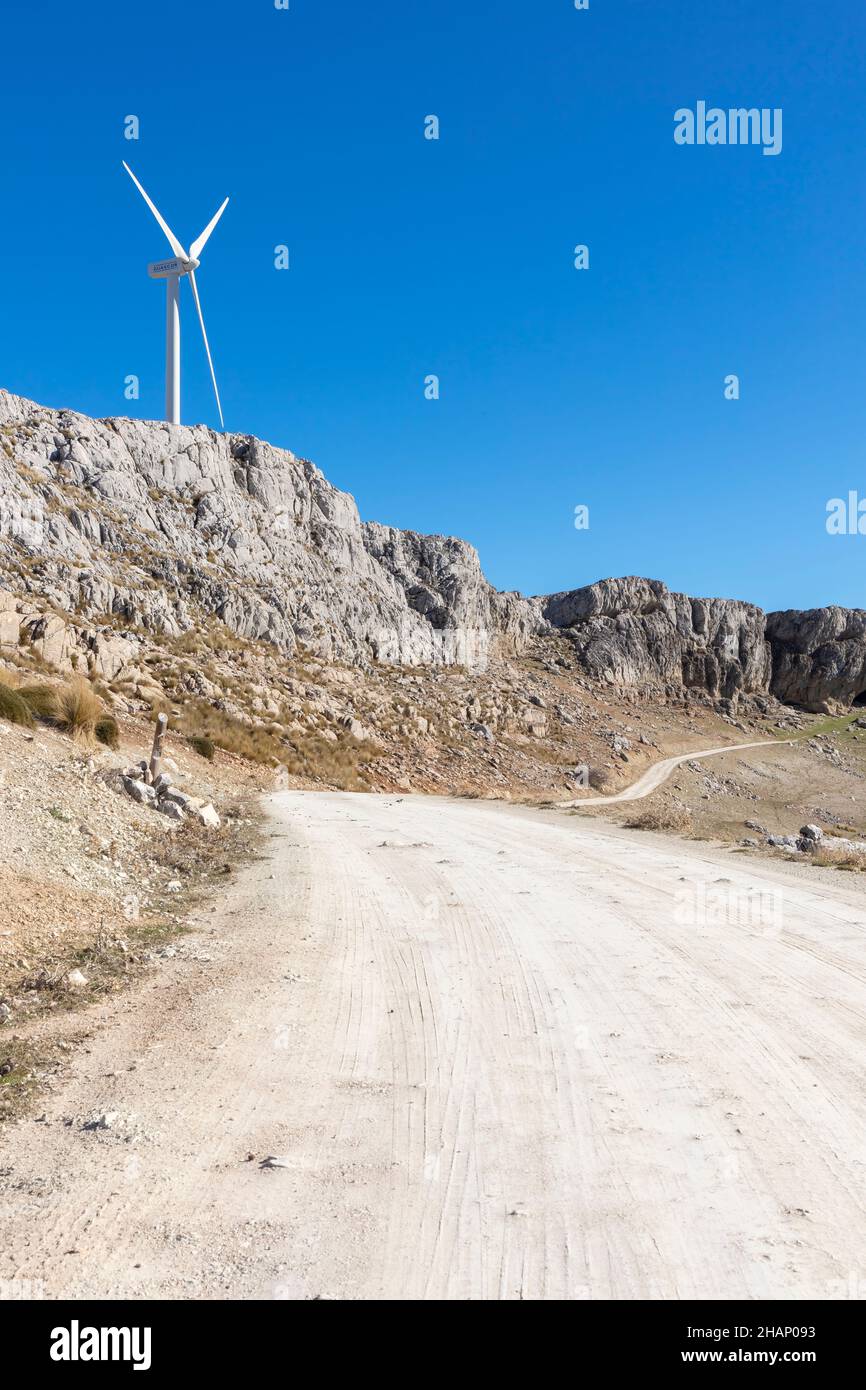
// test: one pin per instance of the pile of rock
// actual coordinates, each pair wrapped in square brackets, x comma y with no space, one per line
[169,800]
[811,838]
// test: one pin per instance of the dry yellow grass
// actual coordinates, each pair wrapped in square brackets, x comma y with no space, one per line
[74,707]
[302,755]
[202,721]
[79,710]
[837,857]
[41,700]
[661,817]
[318,759]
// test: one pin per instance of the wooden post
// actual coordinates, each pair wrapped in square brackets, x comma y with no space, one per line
[158,740]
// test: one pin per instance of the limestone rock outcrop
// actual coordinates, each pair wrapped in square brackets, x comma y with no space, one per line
[123,528]
[151,525]
[635,632]
[819,658]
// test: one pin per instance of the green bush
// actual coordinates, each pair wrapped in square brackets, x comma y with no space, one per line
[13,708]
[107,732]
[202,746]
[41,700]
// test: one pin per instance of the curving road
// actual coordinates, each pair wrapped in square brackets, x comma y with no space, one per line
[658,774]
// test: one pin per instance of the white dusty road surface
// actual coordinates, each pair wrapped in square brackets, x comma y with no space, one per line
[499,1053]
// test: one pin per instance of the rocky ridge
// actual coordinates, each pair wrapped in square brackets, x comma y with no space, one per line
[136,528]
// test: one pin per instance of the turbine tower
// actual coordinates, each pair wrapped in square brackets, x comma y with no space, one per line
[172,273]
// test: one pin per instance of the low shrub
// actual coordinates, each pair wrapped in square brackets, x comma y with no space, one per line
[661,817]
[600,779]
[41,700]
[75,708]
[79,710]
[203,746]
[107,732]
[13,708]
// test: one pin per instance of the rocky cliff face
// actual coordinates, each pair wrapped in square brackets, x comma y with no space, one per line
[635,632]
[153,523]
[148,526]
[819,657]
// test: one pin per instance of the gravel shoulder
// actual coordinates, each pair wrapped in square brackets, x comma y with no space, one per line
[491,1052]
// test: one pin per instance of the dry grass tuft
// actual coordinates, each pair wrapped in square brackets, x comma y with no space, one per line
[836,857]
[107,732]
[661,817]
[600,779]
[79,710]
[73,707]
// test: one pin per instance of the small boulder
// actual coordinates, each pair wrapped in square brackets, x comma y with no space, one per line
[812,832]
[355,728]
[208,816]
[107,1119]
[179,798]
[484,730]
[139,791]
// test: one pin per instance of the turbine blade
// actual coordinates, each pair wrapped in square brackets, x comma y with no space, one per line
[172,239]
[200,240]
[206,345]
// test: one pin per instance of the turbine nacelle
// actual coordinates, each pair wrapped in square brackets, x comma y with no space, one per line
[161,270]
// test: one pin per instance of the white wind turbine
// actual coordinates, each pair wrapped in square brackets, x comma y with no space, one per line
[172,272]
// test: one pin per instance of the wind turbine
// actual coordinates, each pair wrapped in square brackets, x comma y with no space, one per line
[172,272]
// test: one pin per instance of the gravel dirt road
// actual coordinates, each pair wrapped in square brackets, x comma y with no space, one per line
[492,1053]
[656,775]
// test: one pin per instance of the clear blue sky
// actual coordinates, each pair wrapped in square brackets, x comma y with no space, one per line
[411,257]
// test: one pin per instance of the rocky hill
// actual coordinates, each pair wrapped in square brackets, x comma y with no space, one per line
[154,523]
[819,657]
[635,632]
[137,529]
